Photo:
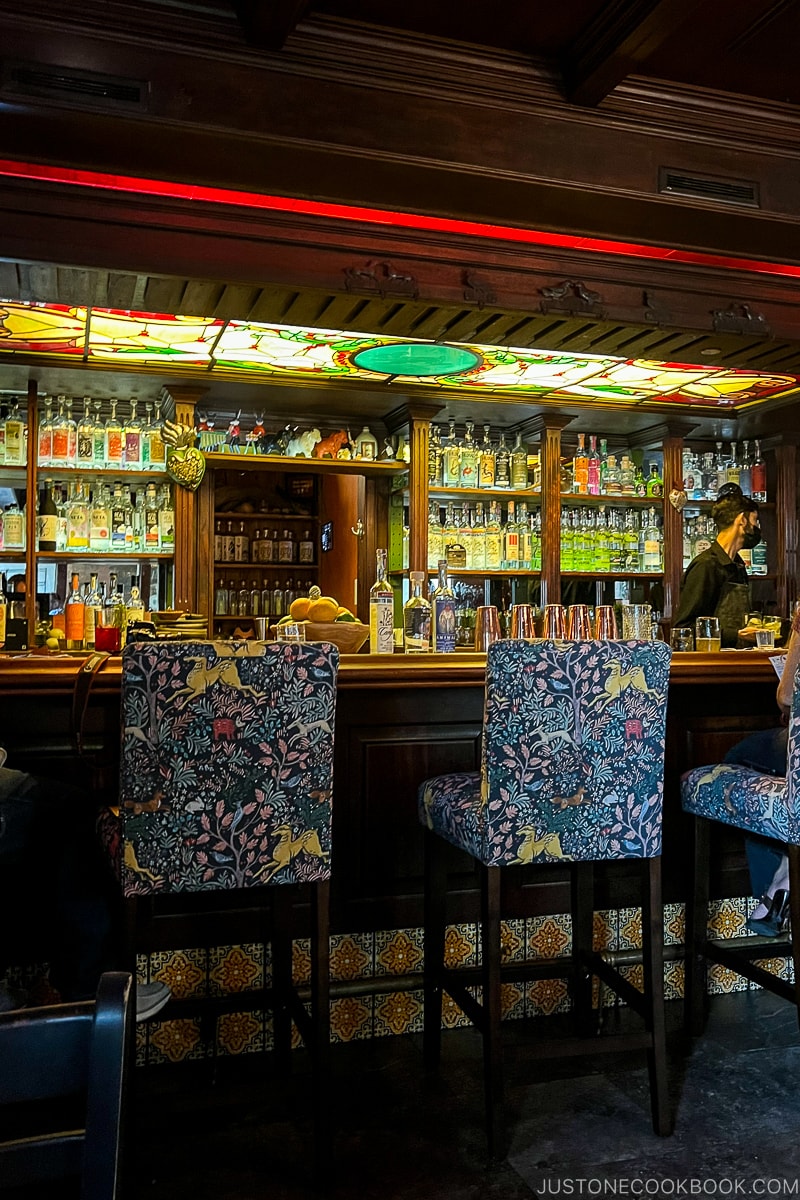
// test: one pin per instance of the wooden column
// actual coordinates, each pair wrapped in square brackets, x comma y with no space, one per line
[548,426]
[417,416]
[786,524]
[187,530]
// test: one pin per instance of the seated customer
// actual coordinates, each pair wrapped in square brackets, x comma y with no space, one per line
[766,752]
[715,583]
[55,881]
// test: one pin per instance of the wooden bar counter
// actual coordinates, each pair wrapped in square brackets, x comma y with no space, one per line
[400,720]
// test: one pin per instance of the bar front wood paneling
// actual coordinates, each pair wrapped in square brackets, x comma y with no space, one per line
[398,722]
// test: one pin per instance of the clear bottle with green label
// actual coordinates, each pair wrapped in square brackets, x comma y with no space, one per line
[417,618]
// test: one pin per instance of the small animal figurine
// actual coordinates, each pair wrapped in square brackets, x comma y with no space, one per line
[254,438]
[330,445]
[233,438]
[276,443]
[302,444]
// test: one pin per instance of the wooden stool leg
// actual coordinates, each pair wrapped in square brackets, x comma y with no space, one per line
[321,1029]
[653,947]
[696,931]
[582,916]
[434,935]
[492,1009]
[282,977]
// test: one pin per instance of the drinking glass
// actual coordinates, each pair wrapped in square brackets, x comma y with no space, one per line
[682,639]
[554,623]
[487,626]
[765,639]
[637,620]
[291,631]
[605,623]
[707,637]
[579,624]
[108,638]
[522,621]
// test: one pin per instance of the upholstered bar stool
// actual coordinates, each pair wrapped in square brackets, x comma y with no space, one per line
[226,780]
[572,773]
[765,805]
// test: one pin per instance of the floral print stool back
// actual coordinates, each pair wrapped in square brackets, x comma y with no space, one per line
[572,773]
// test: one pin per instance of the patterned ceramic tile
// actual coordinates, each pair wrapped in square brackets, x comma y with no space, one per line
[512,1001]
[782,967]
[674,924]
[398,1012]
[548,937]
[301,961]
[604,930]
[543,997]
[674,979]
[351,1018]
[183,971]
[175,1041]
[461,946]
[235,968]
[513,940]
[452,1016]
[351,956]
[399,952]
[634,974]
[629,926]
[240,1033]
[726,918]
[142,1038]
[721,980]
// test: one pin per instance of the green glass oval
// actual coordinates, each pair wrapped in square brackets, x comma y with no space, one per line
[416,358]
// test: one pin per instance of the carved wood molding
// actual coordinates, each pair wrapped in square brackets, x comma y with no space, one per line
[268,23]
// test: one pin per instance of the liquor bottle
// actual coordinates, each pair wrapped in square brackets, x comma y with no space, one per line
[152,536]
[93,612]
[132,440]
[612,480]
[47,520]
[524,527]
[14,526]
[85,455]
[602,544]
[2,437]
[3,611]
[511,540]
[381,609]
[416,618]
[114,611]
[74,616]
[120,522]
[478,539]
[166,518]
[451,469]
[286,548]
[100,520]
[486,466]
[61,528]
[469,462]
[221,599]
[134,605]
[655,484]
[603,464]
[435,540]
[519,465]
[14,437]
[581,543]
[276,601]
[502,464]
[630,541]
[59,438]
[593,467]
[158,451]
[266,600]
[709,475]
[305,549]
[137,521]
[115,447]
[732,473]
[652,544]
[98,438]
[435,458]
[746,470]
[494,539]
[567,541]
[536,540]
[444,613]
[758,477]
[44,451]
[639,484]
[616,543]
[72,435]
[465,537]
[243,601]
[78,517]
[580,469]
[255,598]
[366,445]
[758,559]
[241,546]
[147,429]
[627,476]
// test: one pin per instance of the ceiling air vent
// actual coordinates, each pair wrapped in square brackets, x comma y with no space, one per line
[741,192]
[69,84]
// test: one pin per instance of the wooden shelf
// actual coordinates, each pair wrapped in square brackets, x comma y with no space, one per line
[262,516]
[570,498]
[480,572]
[259,566]
[494,493]
[303,466]
[153,474]
[12,556]
[104,555]
[612,575]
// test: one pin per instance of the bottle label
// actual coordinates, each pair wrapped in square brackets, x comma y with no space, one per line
[60,444]
[381,621]
[74,614]
[118,538]
[45,446]
[166,527]
[47,530]
[13,531]
[493,551]
[486,470]
[417,629]
[306,552]
[151,529]
[114,452]
[89,624]
[133,453]
[85,447]
[444,625]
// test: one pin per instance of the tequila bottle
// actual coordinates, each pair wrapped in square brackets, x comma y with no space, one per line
[417,618]
[732,473]
[255,598]
[580,469]
[132,440]
[612,480]
[567,541]
[511,540]
[241,546]
[44,451]
[465,537]
[60,441]
[486,468]
[47,520]
[494,539]
[114,444]
[469,459]
[630,539]
[134,605]
[435,538]
[602,546]
[616,543]
[100,520]
[536,540]
[603,465]
[519,465]
[451,470]
[745,470]
[85,434]
[14,440]
[652,544]
[14,526]
[98,438]
[655,484]
[305,549]
[92,612]
[381,609]
[72,435]
[158,451]
[435,458]
[121,521]
[479,539]
[502,464]
[444,613]
[152,533]
[78,518]
[221,599]
[758,477]
[627,476]
[74,611]
[166,519]
[524,527]
[721,465]
[593,467]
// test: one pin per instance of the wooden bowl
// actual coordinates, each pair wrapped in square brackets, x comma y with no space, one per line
[349,636]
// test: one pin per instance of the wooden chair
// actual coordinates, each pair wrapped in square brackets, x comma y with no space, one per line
[226,777]
[764,805]
[572,773]
[62,1051]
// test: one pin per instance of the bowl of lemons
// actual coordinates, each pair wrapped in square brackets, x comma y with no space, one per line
[325,620]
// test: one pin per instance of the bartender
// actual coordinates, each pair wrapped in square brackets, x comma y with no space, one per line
[715,583]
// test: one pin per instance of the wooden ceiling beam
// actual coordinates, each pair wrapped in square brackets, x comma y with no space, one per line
[617,43]
[268,23]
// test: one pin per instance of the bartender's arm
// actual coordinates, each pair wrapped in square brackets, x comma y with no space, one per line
[790,665]
[699,593]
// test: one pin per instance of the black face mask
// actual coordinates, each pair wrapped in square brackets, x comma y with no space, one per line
[752,537]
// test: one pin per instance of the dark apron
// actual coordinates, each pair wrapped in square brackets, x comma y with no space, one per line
[732,611]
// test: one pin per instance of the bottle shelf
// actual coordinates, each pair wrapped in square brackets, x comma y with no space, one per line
[768,505]
[152,474]
[104,555]
[313,466]
[12,556]
[478,572]
[494,493]
[612,574]
[259,566]
[265,516]
[570,498]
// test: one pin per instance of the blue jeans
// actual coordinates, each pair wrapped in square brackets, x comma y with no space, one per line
[766,752]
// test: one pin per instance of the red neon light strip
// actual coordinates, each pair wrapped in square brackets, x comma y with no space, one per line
[380,216]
